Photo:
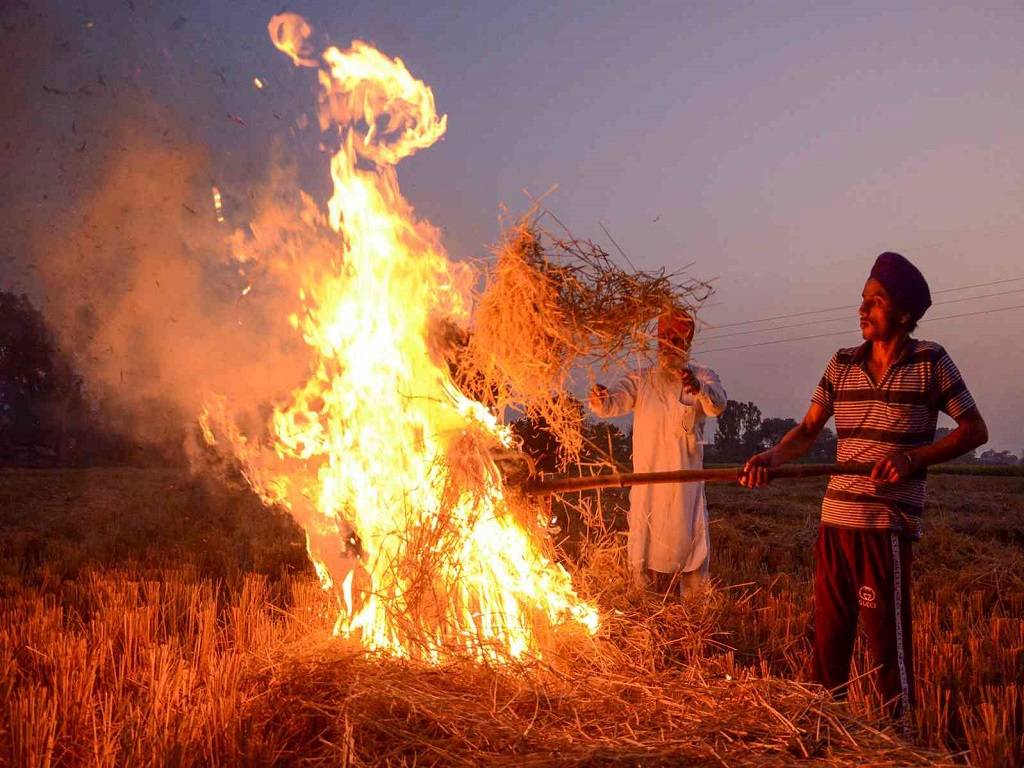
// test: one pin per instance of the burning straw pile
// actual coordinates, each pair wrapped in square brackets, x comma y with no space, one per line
[552,303]
[658,686]
[162,667]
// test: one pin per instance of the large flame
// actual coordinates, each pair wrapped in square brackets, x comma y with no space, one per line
[384,462]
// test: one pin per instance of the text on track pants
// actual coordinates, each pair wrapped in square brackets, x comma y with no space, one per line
[866,573]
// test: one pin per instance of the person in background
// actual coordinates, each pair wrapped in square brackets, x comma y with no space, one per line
[885,395]
[669,545]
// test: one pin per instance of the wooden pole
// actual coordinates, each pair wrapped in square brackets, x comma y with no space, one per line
[546,485]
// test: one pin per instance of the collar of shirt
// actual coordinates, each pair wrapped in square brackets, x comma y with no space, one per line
[861,355]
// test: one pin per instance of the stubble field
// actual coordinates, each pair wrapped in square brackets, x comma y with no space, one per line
[148,618]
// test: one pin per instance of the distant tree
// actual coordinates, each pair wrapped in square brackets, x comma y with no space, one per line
[751,439]
[727,429]
[39,393]
[824,447]
[1001,458]
[772,430]
[738,432]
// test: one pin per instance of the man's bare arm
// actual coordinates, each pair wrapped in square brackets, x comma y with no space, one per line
[793,445]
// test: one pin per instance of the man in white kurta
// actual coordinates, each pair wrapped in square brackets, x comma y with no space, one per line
[668,524]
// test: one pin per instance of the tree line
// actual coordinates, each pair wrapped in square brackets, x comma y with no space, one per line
[742,431]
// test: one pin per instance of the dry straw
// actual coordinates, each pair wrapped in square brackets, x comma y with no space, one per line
[553,304]
[160,666]
[125,668]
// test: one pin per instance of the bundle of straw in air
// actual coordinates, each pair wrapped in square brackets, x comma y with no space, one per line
[551,305]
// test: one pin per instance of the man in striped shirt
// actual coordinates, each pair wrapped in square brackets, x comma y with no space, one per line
[885,396]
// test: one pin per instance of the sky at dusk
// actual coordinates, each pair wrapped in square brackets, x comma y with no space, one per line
[778,147]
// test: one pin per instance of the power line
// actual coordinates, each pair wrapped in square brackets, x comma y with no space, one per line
[846,333]
[980,285]
[854,306]
[845,318]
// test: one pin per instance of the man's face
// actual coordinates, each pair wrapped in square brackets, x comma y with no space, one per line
[674,345]
[880,320]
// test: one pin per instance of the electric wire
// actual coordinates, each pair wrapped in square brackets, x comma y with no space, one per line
[854,306]
[845,318]
[851,332]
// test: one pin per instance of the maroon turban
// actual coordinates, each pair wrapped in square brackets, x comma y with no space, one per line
[904,283]
[675,323]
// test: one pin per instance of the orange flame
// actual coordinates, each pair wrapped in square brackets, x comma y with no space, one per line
[384,462]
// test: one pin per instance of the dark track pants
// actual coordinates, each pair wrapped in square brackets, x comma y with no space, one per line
[864,572]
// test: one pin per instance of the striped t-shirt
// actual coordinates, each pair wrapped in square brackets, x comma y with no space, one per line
[877,421]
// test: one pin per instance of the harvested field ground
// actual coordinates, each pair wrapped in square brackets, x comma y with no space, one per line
[147,618]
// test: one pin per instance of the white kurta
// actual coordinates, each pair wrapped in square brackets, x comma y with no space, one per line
[668,524]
